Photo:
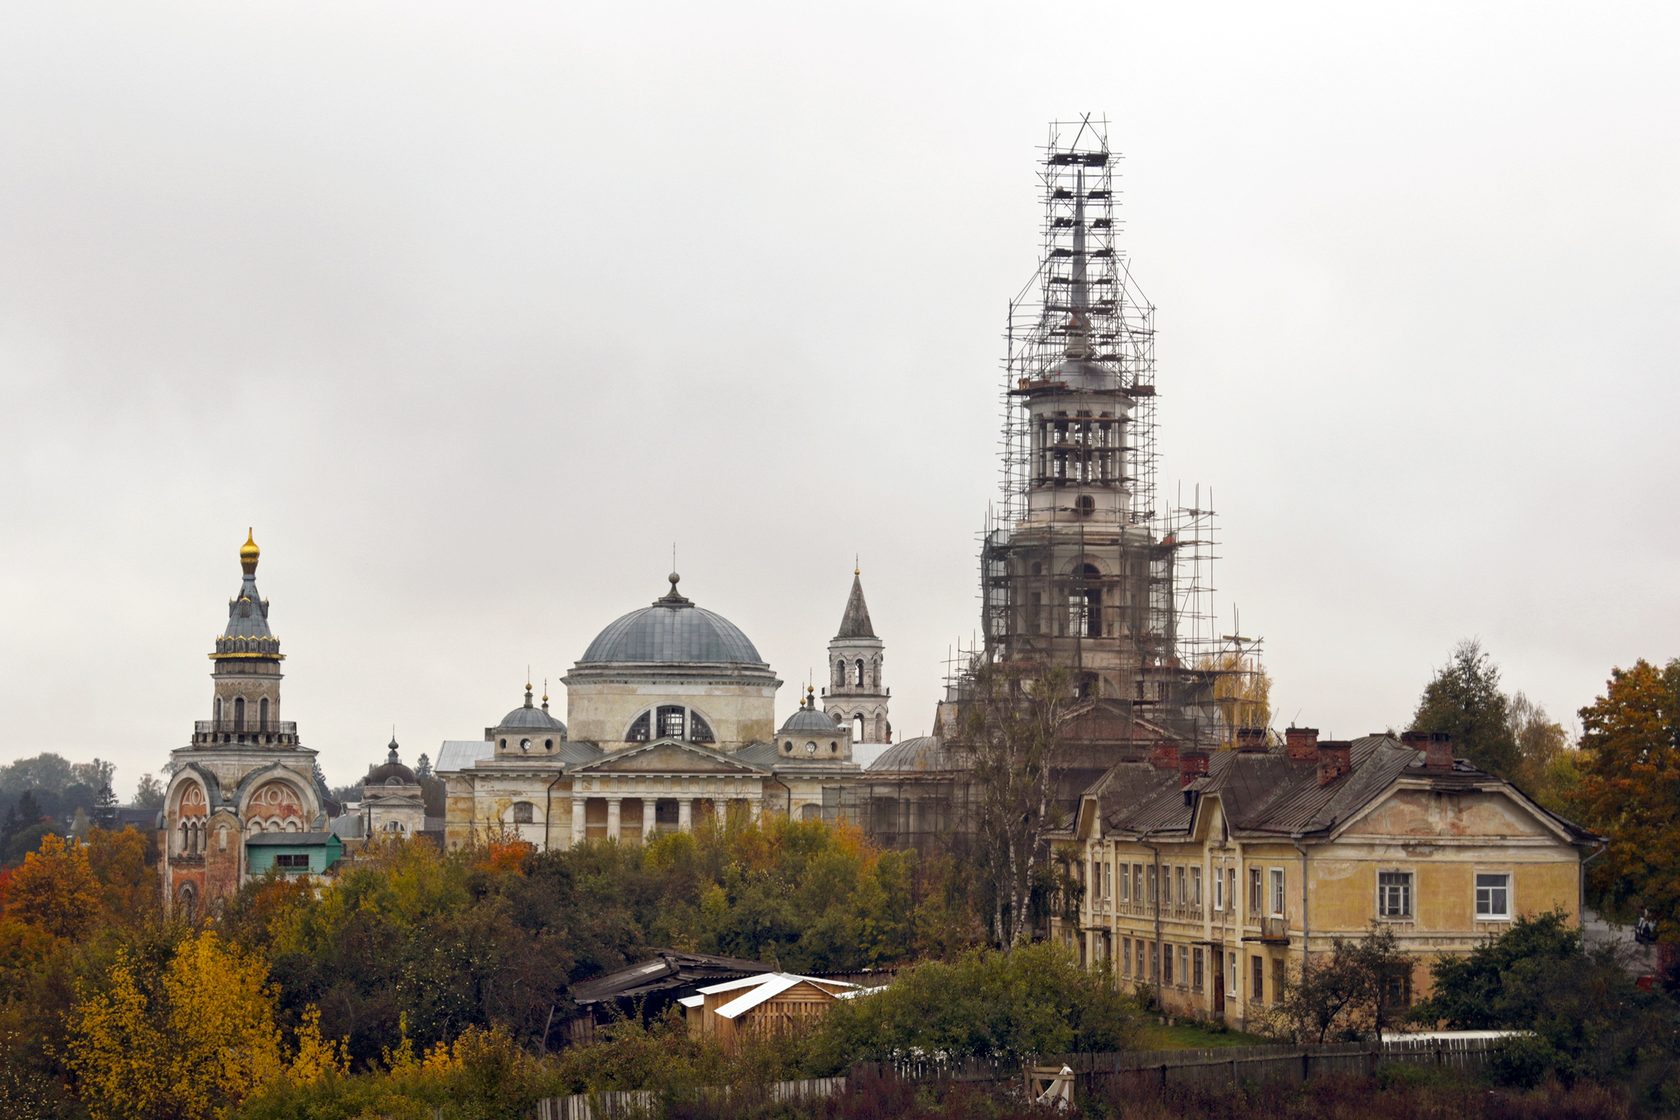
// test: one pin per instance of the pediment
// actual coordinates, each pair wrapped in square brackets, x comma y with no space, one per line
[1468,814]
[667,756]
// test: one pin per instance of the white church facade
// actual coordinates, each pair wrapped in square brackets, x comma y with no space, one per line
[670,722]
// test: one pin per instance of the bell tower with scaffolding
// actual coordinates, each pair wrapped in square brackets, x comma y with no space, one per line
[1078,567]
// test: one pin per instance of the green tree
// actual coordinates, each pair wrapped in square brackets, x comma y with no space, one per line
[148,793]
[1463,699]
[1034,1001]
[1630,790]
[1590,1019]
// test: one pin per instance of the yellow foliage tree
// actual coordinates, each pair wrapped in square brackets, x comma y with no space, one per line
[118,1054]
[203,1041]
[128,883]
[55,889]
[1242,689]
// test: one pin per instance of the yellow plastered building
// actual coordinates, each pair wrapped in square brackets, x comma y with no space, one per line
[1210,878]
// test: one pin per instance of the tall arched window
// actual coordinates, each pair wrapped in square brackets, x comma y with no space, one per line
[859,680]
[218,709]
[262,714]
[857,728]
[1085,603]
[840,673]
[239,713]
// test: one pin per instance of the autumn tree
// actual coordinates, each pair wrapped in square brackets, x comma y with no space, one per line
[55,889]
[1541,744]
[1008,733]
[1463,699]
[1630,790]
[190,1042]
[1242,690]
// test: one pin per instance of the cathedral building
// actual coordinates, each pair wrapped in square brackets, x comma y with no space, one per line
[670,722]
[244,788]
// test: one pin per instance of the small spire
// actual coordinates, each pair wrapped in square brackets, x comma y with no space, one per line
[857,565]
[528,686]
[545,694]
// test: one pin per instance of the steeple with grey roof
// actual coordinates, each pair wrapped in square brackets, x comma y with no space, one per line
[855,622]
[856,696]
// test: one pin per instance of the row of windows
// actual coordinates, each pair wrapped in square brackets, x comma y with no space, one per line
[1181,886]
[239,713]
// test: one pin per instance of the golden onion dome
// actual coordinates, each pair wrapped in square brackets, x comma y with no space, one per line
[248,553]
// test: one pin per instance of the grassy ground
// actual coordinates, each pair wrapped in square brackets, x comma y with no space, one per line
[1193,1036]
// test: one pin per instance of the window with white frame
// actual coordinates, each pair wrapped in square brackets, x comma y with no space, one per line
[1181,896]
[1126,956]
[1218,889]
[1256,901]
[1183,965]
[1196,969]
[1125,884]
[1195,886]
[1277,892]
[1493,895]
[1231,887]
[1394,894]
[1154,887]
[1096,878]
[1108,879]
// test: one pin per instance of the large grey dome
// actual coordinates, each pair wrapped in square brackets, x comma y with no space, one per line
[672,630]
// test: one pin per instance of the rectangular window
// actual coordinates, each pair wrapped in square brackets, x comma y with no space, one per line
[289,861]
[1394,894]
[1126,956]
[1178,873]
[1257,978]
[1231,985]
[1125,884]
[1154,961]
[1137,883]
[1277,892]
[1255,902]
[1183,965]
[1154,887]
[1196,886]
[1218,889]
[1196,968]
[1231,888]
[1166,966]
[1493,895]
[1140,958]
[1108,880]
[1096,878]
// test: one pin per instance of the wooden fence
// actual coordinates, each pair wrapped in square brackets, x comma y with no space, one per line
[1124,1070]
[643,1102]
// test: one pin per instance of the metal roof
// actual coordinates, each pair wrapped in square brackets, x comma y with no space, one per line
[809,719]
[289,839]
[920,754]
[460,754]
[675,631]
[855,622]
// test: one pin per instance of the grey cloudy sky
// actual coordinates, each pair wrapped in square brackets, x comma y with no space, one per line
[473,310]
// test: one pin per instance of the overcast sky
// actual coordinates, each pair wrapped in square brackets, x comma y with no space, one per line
[473,310]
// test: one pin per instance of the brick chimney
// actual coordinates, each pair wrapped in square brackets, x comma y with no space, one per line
[1191,765]
[1335,758]
[1251,739]
[1165,755]
[1437,754]
[1301,743]
[1417,740]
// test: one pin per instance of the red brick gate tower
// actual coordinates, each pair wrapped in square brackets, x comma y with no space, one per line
[244,772]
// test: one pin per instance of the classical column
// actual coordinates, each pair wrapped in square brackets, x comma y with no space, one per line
[685,814]
[612,817]
[579,818]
